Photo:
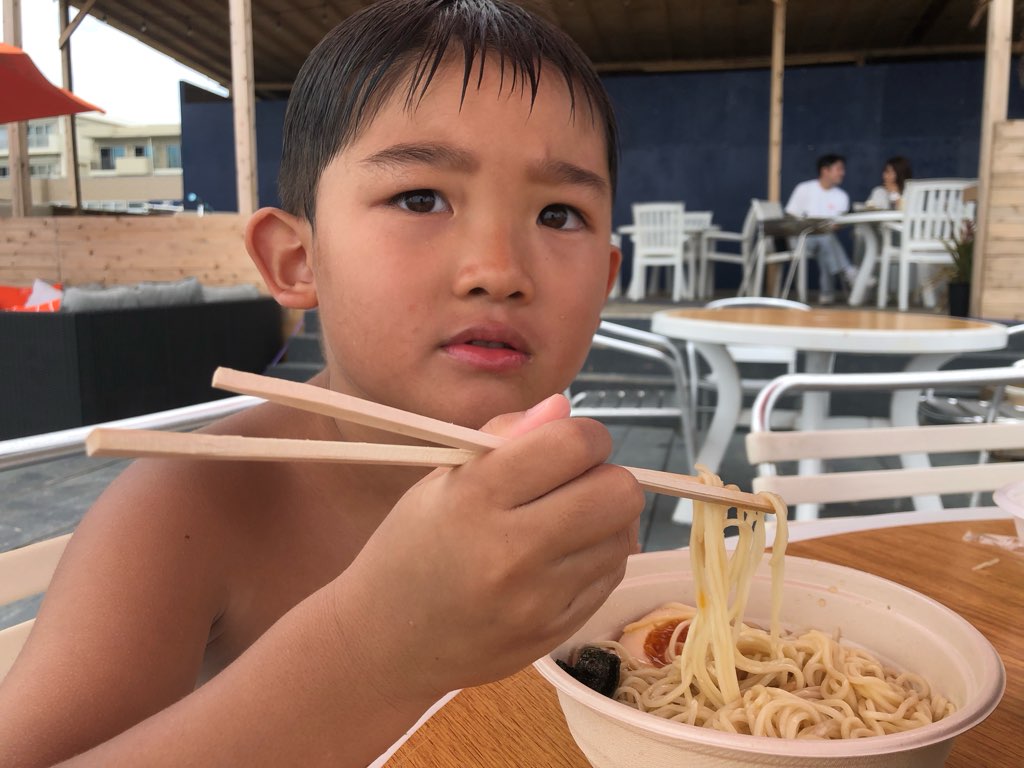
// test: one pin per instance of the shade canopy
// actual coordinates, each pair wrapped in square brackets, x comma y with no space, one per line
[25,94]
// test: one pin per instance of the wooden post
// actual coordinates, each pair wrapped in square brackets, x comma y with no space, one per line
[775,119]
[775,116]
[243,99]
[17,133]
[70,129]
[993,110]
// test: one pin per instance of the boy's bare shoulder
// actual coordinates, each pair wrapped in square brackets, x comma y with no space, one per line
[245,540]
[210,493]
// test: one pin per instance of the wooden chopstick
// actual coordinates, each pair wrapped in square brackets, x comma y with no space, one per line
[353,409]
[464,443]
[153,443]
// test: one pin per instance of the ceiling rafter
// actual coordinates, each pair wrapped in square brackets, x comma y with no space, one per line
[618,35]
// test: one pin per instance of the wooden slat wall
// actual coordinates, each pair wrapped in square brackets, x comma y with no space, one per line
[118,250]
[1003,267]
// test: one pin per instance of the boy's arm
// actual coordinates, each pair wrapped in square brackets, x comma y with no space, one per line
[475,573]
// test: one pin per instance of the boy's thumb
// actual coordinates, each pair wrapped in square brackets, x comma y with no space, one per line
[513,424]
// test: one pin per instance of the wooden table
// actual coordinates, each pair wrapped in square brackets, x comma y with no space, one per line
[819,334]
[517,721]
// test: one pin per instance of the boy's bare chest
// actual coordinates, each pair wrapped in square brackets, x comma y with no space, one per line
[303,550]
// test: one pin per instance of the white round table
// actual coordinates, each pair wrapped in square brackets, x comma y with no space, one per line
[931,340]
[867,225]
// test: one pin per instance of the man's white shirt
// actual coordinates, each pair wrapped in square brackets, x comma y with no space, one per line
[810,199]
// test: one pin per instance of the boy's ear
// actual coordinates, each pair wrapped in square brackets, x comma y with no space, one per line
[614,263]
[280,245]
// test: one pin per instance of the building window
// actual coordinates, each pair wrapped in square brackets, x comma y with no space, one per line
[108,157]
[42,170]
[39,135]
[174,156]
[3,137]
[4,172]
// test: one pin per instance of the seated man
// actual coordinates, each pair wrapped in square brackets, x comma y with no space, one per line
[823,198]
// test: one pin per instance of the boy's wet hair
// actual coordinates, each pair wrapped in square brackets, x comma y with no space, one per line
[399,44]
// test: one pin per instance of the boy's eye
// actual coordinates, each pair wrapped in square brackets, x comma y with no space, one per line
[420,201]
[560,216]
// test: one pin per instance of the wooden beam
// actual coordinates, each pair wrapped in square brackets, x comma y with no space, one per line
[775,114]
[17,133]
[69,29]
[243,102]
[70,129]
[113,14]
[993,110]
[795,60]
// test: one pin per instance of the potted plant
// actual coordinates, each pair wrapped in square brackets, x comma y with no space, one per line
[961,247]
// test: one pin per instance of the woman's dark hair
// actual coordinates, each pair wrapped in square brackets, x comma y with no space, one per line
[902,168]
[359,64]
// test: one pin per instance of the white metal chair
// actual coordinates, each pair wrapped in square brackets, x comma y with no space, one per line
[767,449]
[743,354]
[764,254]
[630,397]
[709,254]
[658,235]
[25,572]
[933,209]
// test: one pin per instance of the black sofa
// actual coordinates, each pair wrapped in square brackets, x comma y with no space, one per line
[69,369]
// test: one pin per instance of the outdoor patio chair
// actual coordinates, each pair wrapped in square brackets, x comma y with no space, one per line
[709,254]
[768,449]
[765,255]
[933,210]
[658,235]
[656,393]
[25,572]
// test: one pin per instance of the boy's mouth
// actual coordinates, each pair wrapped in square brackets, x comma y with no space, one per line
[490,348]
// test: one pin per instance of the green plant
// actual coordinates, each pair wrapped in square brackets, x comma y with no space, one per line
[961,247]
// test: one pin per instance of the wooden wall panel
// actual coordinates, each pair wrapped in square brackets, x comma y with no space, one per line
[119,250]
[1002,293]
[28,249]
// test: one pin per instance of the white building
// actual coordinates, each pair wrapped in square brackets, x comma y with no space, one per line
[120,166]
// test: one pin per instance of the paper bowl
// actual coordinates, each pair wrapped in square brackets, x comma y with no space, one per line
[1011,499]
[898,625]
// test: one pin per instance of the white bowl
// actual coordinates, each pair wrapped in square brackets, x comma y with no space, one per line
[1011,498]
[898,625]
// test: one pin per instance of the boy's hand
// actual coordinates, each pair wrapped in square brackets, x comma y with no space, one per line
[482,569]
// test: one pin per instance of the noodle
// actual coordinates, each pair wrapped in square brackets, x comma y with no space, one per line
[743,679]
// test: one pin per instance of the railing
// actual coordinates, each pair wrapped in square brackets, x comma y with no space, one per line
[22,451]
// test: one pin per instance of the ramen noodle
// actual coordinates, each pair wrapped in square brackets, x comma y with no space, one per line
[704,666]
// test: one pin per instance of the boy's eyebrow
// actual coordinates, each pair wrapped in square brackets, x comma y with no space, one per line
[562,172]
[423,154]
[447,156]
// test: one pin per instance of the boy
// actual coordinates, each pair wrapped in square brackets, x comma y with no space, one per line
[446,180]
[823,198]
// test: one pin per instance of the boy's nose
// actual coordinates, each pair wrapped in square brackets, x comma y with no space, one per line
[495,265]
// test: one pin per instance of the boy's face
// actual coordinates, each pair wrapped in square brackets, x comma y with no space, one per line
[461,255]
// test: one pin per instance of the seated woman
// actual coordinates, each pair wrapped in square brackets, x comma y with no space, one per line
[889,195]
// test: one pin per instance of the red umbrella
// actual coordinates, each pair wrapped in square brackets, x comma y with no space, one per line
[25,94]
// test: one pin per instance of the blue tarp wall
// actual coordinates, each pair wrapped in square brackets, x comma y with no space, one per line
[702,137]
